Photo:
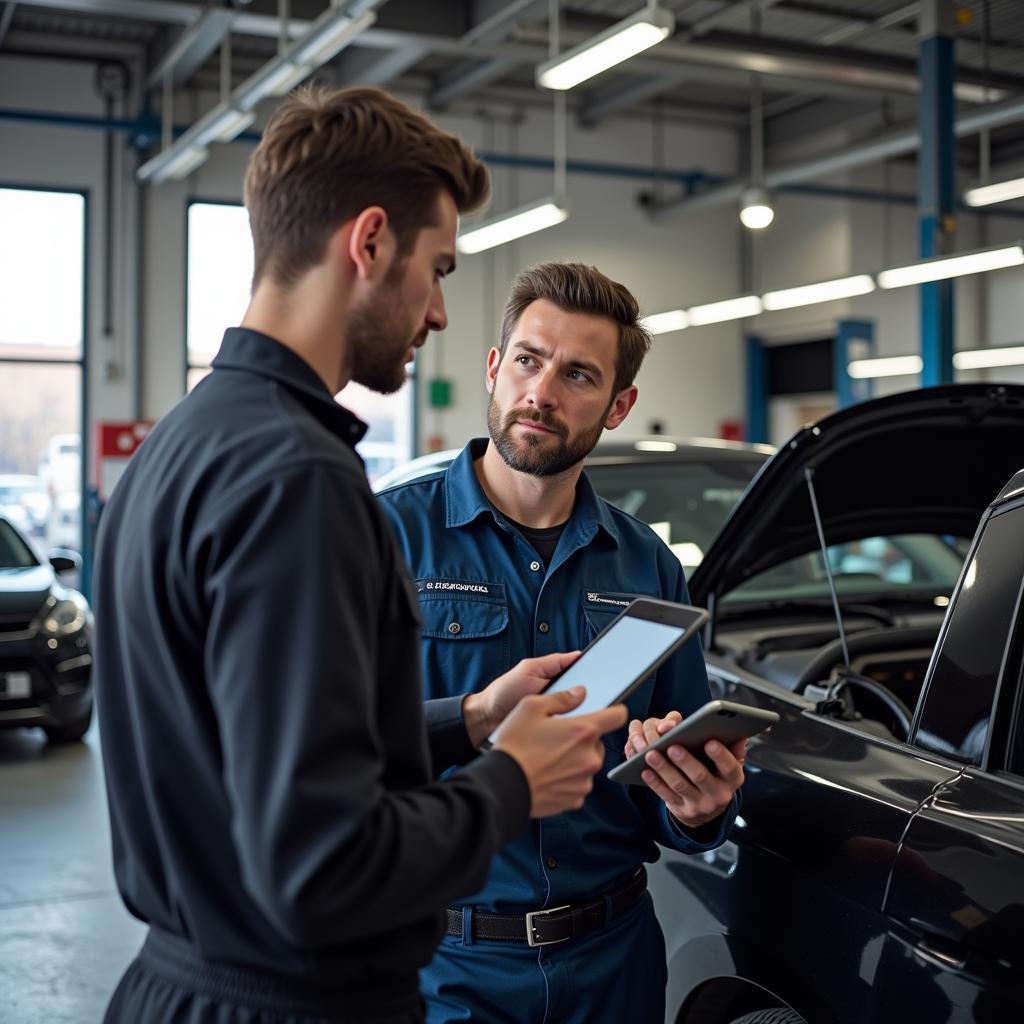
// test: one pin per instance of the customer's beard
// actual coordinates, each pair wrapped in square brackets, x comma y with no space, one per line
[379,337]
[538,456]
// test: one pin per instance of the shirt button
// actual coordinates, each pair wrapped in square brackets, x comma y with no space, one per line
[454,627]
[543,627]
[535,566]
[552,863]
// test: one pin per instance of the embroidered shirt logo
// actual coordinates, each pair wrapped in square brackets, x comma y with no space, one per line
[457,586]
[619,600]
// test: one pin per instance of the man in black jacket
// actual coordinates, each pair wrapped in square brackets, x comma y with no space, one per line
[269,775]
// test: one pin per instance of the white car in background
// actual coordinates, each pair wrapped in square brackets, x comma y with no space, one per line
[24,501]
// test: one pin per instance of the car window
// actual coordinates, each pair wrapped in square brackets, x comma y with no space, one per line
[964,674]
[14,552]
[872,566]
[684,503]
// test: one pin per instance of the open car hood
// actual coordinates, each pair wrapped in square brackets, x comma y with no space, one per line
[925,461]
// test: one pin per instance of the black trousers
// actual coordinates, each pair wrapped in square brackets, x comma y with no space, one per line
[164,985]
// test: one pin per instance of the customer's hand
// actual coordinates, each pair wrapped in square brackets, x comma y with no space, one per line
[483,712]
[559,756]
[693,794]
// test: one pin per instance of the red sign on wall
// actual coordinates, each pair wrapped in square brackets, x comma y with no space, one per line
[115,445]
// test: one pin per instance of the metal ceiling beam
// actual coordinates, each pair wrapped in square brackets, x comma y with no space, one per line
[5,21]
[193,46]
[392,65]
[886,147]
[463,80]
[495,26]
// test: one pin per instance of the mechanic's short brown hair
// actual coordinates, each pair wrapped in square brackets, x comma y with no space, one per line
[328,154]
[577,288]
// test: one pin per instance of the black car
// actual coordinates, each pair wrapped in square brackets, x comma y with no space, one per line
[45,643]
[682,487]
[875,872]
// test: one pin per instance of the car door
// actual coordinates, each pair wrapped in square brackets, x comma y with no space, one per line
[956,894]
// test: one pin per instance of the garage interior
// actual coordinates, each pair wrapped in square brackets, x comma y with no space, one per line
[871,135]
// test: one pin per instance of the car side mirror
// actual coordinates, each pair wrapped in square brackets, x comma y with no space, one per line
[63,560]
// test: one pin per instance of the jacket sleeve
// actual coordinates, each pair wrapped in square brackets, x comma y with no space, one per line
[446,733]
[314,684]
[682,685]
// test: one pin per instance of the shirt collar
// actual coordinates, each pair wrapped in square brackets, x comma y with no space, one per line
[254,352]
[465,499]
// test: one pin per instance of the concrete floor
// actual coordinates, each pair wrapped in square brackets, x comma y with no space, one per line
[65,937]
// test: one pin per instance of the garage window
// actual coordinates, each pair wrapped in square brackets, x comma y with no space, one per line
[42,317]
[219,278]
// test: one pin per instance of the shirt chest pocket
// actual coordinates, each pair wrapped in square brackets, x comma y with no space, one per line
[599,609]
[465,635]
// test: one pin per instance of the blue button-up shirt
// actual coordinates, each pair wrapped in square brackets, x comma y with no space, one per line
[487,601]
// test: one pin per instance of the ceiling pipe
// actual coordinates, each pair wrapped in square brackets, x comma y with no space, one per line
[874,151]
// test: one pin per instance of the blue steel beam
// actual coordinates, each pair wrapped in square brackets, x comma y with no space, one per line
[757,391]
[936,183]
[855,339]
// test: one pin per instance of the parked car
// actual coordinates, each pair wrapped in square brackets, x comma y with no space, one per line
[876,870]
[683,487]
[24,501]
[45,642]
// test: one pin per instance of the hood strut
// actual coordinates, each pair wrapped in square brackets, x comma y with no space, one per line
[809,477]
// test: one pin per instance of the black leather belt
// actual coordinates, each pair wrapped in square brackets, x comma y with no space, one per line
[545,927]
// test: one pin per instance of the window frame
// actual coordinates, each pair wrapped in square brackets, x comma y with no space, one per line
[996,753]
[82,362]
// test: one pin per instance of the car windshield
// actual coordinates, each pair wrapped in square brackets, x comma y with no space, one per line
[14,552]
[875,566]
[685,503]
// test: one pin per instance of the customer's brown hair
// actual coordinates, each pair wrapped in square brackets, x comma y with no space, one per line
[328,154]
[577,288]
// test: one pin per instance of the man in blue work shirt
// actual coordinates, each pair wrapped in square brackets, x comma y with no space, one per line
[514,554]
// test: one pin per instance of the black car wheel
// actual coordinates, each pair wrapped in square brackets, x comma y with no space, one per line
[779,1015]
[71,731]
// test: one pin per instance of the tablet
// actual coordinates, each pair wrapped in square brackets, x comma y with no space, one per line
[632,646]
[720,720]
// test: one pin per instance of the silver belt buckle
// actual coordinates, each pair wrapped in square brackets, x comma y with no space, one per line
[530,926]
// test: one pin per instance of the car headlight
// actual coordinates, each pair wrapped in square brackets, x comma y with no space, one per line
[67,616]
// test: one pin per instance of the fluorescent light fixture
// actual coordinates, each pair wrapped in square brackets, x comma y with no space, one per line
[509,226]
[979,358]
[655,446]
[824,291]
[173,163]
[756,210]
[888,366]
[952,266]
[230,123]
[325,42]
[730,309]
[184,163]
[284,77]
[621,41]
[664,323]
[1000,192]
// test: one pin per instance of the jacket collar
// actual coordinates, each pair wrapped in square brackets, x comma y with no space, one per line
[465,500]
[253,352]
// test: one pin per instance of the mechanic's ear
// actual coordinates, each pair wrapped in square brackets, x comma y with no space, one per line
[624,401]
[491,376]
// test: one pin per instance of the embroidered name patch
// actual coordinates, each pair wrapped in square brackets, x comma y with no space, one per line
[455,586]
[603,597]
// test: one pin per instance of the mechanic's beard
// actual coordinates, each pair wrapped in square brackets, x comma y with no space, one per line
[378,337]
[539,456]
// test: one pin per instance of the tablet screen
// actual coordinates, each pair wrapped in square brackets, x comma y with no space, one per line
[616,659]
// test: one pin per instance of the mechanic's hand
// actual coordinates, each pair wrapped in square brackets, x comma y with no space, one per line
[693,794]
[643,734]
[483,712]
[559,756]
